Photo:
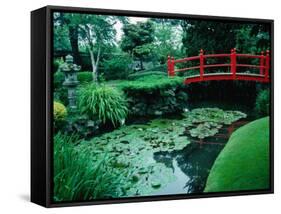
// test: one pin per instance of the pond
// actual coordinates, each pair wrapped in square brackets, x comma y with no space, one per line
[192,164]
[168,156]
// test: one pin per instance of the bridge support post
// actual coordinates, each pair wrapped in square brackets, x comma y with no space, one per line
[262,64]
[201,57]
[171,66]
[267,60]
[168,65]
[233,62]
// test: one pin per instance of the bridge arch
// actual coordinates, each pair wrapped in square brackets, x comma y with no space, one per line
[234,74]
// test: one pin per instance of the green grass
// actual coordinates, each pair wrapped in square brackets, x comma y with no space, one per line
[244,162]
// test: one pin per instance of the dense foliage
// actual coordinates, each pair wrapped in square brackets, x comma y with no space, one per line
[117,67]
[103,102]
[154,95]
[263,103]
[137,40]
[85,77]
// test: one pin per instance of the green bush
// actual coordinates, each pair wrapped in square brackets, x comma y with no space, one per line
[104,102]
[262,103]
[140,74]
[60,92]
[162,68]
[85,77]
[154,95]
[60,111]
[58,79]
[57,63]
[150,83]
[117,67]
[81,175]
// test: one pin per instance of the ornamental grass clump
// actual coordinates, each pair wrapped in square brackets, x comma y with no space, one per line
[103,102]
[81,175]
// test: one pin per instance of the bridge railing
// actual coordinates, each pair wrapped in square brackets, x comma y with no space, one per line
[264,63]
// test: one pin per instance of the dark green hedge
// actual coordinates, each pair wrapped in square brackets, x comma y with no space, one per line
[154,95]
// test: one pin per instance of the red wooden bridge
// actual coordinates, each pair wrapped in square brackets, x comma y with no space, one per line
[234,74]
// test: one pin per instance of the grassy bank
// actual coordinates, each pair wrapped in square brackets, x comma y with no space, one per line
[244,162]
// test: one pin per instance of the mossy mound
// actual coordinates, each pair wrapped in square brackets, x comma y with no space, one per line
[244,162]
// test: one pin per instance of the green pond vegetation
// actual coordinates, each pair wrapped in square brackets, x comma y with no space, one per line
[86,168]
[244,162]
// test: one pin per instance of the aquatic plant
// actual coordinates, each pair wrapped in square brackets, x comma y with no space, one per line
[80,174]
[206,122]
[104,102]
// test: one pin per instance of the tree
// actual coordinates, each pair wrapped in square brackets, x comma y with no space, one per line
[138,40]
[168,38]
[61,38]
[253,38]
[66,35]
[95,31]
[211,36]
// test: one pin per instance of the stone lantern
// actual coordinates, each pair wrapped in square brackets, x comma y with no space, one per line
[70,71]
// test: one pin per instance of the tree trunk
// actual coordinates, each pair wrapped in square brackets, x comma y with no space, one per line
[73,36]
[94,66]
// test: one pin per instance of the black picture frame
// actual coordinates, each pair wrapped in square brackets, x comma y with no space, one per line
[41,105]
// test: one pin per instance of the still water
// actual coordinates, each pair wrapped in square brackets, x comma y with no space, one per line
[191,166]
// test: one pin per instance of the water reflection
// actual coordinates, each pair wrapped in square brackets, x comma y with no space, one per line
[191,166]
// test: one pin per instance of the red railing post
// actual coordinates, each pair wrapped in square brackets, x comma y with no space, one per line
[267,60]
[169,65]
[201,55]
[173,66]
[262,63]
[233,62]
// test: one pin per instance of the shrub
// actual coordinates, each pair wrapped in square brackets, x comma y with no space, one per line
[155,95]
[85,76]
[140,74]
[102,101]
[81,175]
[117,67]
[60,92]
[262,103]
[60,111]
[58,79]
[151,83]
[60,114]
[57,63]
